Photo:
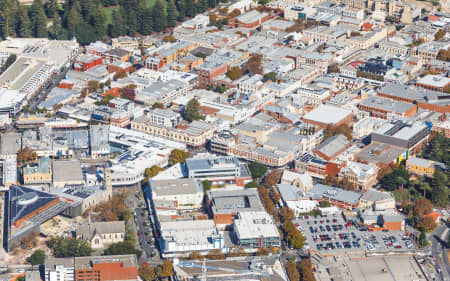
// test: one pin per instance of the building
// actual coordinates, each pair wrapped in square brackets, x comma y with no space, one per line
[8,170]
[194,134]
[38,174]
[60,175]
[179,238]
[391,222]
[377,200]
[209,71]
[383,108]
[256,230]
[250,19]
[218,170]
[163,117]
[117,54]
[434,83]
[27,209]
[332,147]
[95,268]
[120,104]
[419,166]
[361,176]
[250,83]
[101,234]
[344,199]
[224,205]
[186,193]
[327,115]
[401,134]
[380,154]
[296,199]
[99,141]
[85,62]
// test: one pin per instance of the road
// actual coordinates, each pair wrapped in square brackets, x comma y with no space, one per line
[438,248]
[43,93]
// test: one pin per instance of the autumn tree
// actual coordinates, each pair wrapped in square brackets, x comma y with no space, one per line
[195,256]
[287,214]
[26,154]
[146,272]
[273,178]
[166,269]
[215,255]
[305,269]
[292,271]
[178,156]
[438,36]
[152,171]
[428,223]
[234,73]
[422,207]
[254,64]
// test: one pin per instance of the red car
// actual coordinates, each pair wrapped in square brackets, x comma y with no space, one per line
[398,247]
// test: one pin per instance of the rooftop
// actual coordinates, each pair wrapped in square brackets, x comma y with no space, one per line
[327,114]
[334,193]
[175,186]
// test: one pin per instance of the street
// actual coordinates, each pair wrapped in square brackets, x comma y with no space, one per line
[438,250]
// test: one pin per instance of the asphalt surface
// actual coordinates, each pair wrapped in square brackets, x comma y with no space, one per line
[438,251]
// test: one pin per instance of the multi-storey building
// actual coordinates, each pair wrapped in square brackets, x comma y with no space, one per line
[256,230]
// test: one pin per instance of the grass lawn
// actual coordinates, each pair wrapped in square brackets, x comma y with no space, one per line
[109,10]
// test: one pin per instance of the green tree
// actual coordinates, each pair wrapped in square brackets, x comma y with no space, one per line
[146,22]
[324,204]
[271,76]
[38,20]
[190,8]
[118,28]
[85,33]
[23,22]
[127,215]
[206,185]
[178,156]
[212,3]
[192,111]
[251,184]
[123,248]
[69,247]
[72,20]
[99,20]
[38,257]
[181,8]
[257,169]
[439,184]
[422,238]
[52,9]
[171,14]
[202,6]
[159,16]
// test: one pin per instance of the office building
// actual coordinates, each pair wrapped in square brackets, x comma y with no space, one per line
[256,230]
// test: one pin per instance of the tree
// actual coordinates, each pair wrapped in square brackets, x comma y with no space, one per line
[324,204]
[69,247]
[127,215]
[72,20]
[339,130]
[38,20]
[26,154]
[99,21]
[152,171]
[234,73]
[287,214]
[159,16]
[422,238]
[273,178]
[251,184]
[257,169]
[171,14]
[190,9]
[118,28]
[292,271]
[206,185]
[38,257]
[9,61]
[52,9]
[422,207]
[438,36]
[305,269]
[181,8]
[146,22]
[427,223]
[24,24]
[192,111]
[215,255]
[254,64]
[122,248]
[169,38]
[166,269]
[439,185]
[146,272]
[271,76]
[178,156]
[195,256]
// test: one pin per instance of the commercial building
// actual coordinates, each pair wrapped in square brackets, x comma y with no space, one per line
[344,199]
[326,115]
[419,166]
[179,238]
[224,205]
[380,154]
[101,234]
[296,199]
[434,83]
[163,117]
[99,141]
[384,108]
[60,175]
[256,230]
[95,268]
[85,62]
[377,200]
[361,176]
[8,170]
[39,173]
[401,134]
[250,19]
[331,147]
[186,193]
[218,170]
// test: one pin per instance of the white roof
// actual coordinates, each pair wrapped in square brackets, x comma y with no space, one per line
[327,114]
[255,224]
[434,80]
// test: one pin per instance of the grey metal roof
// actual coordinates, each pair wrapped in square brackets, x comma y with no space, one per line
[387,104]
[209,163]
[333,145]
[233,201]
[334,193]
[175,186]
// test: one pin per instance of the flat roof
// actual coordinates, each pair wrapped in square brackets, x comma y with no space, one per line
[334,193]
[254,225]
[175,187]
[434,80]
[66,170]
[327,114]
[387,104]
